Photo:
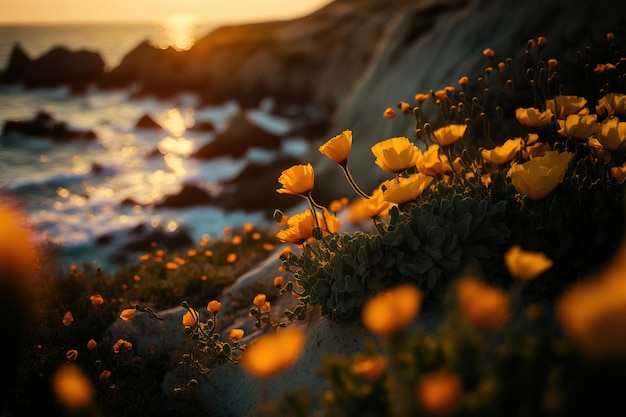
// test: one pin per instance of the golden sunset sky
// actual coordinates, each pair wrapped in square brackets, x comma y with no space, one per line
[85,11]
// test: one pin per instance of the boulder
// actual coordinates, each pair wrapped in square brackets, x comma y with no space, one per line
[60,66]
[147,122]
[235,141]
[44,125]
[190,195]
[19,61]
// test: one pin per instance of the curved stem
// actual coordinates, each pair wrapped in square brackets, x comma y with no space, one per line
[353,184]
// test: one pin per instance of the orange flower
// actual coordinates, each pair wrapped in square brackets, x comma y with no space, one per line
[489,53]
[503,153]
[172,266]
[128,314]
[526,265]
[447,135]
[421,97]
[236,335]
[231,258]
[392,310]
[368,208]
[122,345]
[396,154]
[279,281]
[300,228]
[259,300]
[438,392]
[272,354]
[532,117]
[214,306]
[96,299]
[562,106]
[403,189]
[389,113]
[190,318]
[68,319]
[612,104]
[91,344]
[611,133]
[338,148]
[248,227]
[433,162]
[579,126]
[72,388]
[369,367]
[236,240]
[104,375]
[463,80]
[539,176]
[485,307]
[297,180]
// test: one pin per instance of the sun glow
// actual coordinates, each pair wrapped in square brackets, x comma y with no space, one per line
[178,31]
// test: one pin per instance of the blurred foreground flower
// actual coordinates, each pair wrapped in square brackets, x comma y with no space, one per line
[438,392]
[273,353]
[526,265]
[393,310]
[72,388]
[485,307]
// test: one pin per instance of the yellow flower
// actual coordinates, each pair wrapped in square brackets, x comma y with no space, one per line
[537,177]
[368,208]
[593,311]
[611,133]
[272,354]
[433,163]
[248,227]
[438,392]
[172,266]
[231,258]
[485,307]
[299,228]
[297,180]
[279,281]
[68,319]
[396,154]
[190,318]
[96,299]
[578,126]
[72,388]
[449,134]
[503,153]
[392,310]
[259,300]
[562,106]
[122,344]
[214,306]
[400,190]
[128,314]
[91,344]
[619,172]
[489,53]
[526,265]
[236,335]
[612,104]
[421,97]
[404,107]
[532,117]
[369,367]
[338,148]
[389,113]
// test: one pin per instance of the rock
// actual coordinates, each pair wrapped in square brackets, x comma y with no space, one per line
[18,63]
[147,122]
[44,125]
[252,190]
[190,195]
[202,126]
[235,141]
[59,66]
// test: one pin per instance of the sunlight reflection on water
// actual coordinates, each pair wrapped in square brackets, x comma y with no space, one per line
[179,31]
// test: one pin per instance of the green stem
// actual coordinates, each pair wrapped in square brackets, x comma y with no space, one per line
[353,184]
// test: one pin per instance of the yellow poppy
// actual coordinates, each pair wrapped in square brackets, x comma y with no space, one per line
[612,104]
[562,106]
[532,117]
[537,177]
[128,314]
[578,126]
[438,392]
[403,189]
[236,335]
[611,133]
[368,208]
[526,265]
[449,134]
[389,113]
[96,299]
[392,310]
[272,354]
[433,162]
[214,306]
[299,228]
[297,180]
[503,153]
[396,154]
[190,318]
[338,148]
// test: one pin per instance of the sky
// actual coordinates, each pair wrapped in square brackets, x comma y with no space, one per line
[84,11]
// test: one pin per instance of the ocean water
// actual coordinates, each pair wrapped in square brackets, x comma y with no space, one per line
[71,203]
